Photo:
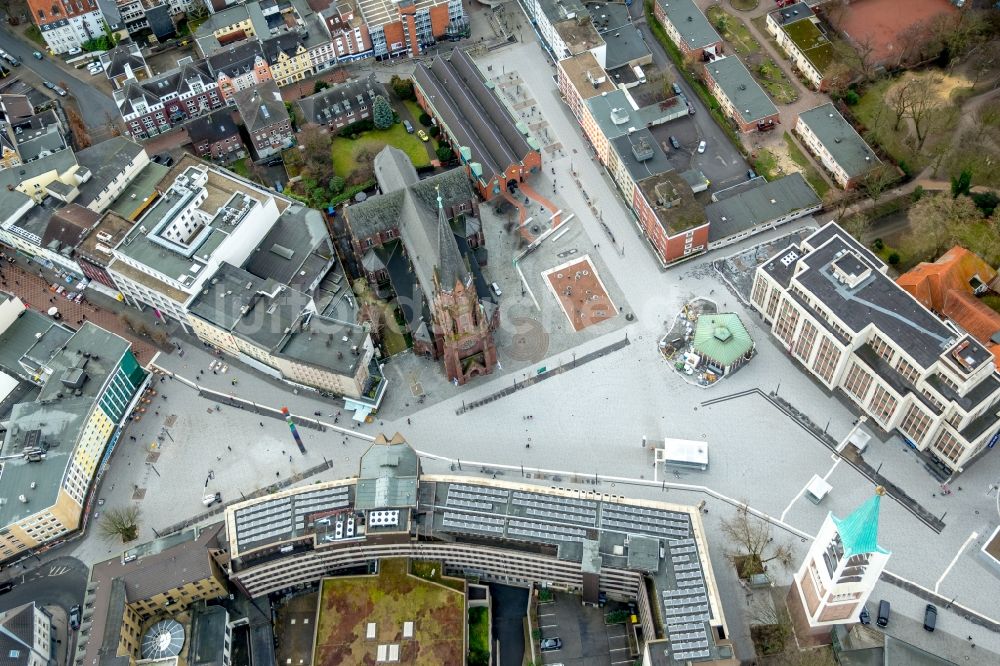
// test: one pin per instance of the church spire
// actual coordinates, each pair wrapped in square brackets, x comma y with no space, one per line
[451,268]
[859,530]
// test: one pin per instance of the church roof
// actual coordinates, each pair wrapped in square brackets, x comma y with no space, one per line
[451,266]
[859,531]
[411,205]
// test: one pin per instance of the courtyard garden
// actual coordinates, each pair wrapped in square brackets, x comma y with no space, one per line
[741,42]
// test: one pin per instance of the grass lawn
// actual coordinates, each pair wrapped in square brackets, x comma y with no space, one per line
[344,152]
[773,80]
[813,177]
[765,164]
[239,167]
[431,570]
[35,35]
[744,5]
[734,31]
[414,109]
[479,629]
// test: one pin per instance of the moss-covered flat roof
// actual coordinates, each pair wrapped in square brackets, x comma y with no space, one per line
[812,42]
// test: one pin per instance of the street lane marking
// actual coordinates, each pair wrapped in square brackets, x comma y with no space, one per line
[955,560]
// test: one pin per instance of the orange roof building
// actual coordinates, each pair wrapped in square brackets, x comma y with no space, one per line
[949,287]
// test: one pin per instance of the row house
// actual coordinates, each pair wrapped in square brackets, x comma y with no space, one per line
[66,24]
[216,137]
[341,105]
[152,107]
[830,304]
[740,96]
[796,30]
[156,16]
[688,28]
[266,119]
[239,67]
[288,58]
[838,146]
[125,62]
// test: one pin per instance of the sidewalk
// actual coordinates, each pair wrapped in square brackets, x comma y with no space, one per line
[33,288]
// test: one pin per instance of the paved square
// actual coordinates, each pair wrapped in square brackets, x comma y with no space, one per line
[580,292]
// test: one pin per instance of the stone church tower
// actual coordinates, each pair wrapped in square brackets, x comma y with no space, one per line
[841,568]
[462,333]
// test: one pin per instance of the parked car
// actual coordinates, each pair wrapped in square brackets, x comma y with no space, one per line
[74,51]
[677,90]
[49,85]
[884,608]
[423,135]
[675,143]
[495,288]
[6,586]
[13,61]
[275,161]
[551,644]
[209,500]
[865,617]
[37,54]
[74,617]
[930,617]
[408,126]
[690,109]
[751,174]
[701,146]
[163,158]
[59,91]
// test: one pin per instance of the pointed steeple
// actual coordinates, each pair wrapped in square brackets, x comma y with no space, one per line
[451,266]
[859,531]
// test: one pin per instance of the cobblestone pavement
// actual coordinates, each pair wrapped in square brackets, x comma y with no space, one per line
[34,291]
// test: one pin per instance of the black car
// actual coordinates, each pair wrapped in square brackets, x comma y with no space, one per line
[163,158]
[551,644]
[74,617]
[930,617]
[865,617]
[275,161]
[6,586]
[675,143]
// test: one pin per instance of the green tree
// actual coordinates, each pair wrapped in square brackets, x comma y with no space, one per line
[424,120]
[443,153]
[320,86]
[961,184]
[336,185]
[986,202]
[120,523]
[381,113]
[402,87]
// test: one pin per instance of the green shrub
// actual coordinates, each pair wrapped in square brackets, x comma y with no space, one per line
[320,86]
[877,245]
[893,258]
[354,129]
[434,131]
[424,120]
[444,153]
[918,193]
[851,98]
[336,185]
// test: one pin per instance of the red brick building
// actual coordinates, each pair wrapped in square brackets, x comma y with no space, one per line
[671,219]
[477,126]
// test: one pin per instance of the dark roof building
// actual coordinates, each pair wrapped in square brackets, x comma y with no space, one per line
[26,636]
[494,147]
[216,136]
[297,251]
[764,207]
[265,118]
[342,104]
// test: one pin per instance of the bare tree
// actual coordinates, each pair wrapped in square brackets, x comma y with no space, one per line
[878,179]
[81,138]
[120,523]
[858,225]
[754,543]
[900,99]
[859,56]
[937,222]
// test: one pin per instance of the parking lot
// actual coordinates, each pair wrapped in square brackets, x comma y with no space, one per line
[585,638]
[720,162]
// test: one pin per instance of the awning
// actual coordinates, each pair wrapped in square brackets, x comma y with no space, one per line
[360,409]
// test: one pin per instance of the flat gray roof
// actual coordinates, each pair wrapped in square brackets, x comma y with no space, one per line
[843,142]
[54,421]
[388,476]
[134,197]
[739,86]
[762,204]
[326,343]
[296,250]
[689,21]
[29,341]
[641,155]
[614,113]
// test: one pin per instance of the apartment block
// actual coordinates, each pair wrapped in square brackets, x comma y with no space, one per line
[66,25]
[265,118]
[758,205]
[580,78]
[829,302]
[348,31]
[26,636]
[88,383]
[410,27]
[797,31]
[216,137]
[153,106]
[341,105]
[688,28]
[837,145]
[202,217]
[740,96]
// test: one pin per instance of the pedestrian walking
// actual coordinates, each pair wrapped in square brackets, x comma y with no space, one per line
[261,424]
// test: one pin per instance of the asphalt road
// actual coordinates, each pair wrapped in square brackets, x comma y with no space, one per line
[94,105]
[61,582]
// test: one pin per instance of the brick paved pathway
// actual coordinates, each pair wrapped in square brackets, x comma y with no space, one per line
[34,291]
